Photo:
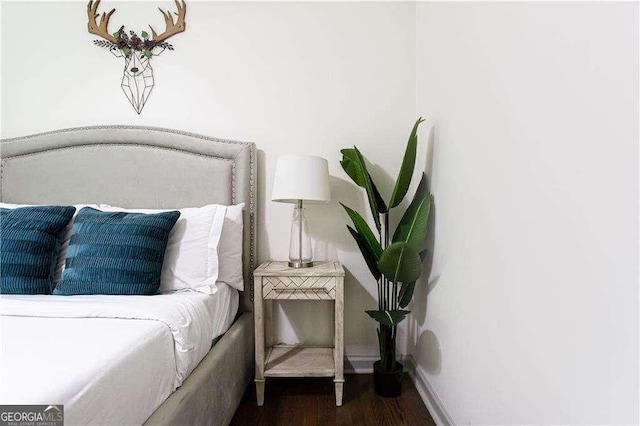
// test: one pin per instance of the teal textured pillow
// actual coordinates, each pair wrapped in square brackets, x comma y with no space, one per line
[116,252]
[30,241]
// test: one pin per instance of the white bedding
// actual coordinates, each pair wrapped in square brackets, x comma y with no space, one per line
[107,359]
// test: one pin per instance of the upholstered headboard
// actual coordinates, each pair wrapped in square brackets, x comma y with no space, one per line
[131,166]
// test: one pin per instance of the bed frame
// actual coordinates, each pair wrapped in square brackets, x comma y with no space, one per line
[146,167]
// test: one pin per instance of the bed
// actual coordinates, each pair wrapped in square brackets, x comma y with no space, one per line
[135,167]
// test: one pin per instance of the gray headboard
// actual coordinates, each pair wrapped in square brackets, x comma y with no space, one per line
[131,166]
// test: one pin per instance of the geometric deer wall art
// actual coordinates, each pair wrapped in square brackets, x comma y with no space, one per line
[137,50]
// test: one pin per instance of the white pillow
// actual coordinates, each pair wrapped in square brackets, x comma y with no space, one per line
[57,275]
[191,259]
[230,248]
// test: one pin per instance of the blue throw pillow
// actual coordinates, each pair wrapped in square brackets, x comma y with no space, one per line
[30,241]
[116,252]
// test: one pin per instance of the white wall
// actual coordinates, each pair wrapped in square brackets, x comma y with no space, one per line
[532,311]
[293,77]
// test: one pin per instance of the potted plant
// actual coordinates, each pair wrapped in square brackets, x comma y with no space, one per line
[395,260]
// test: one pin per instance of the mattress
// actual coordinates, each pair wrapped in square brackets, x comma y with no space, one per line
[110,360]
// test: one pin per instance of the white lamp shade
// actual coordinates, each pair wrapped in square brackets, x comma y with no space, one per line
[301,177]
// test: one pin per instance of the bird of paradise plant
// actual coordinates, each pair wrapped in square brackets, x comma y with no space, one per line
[395,260]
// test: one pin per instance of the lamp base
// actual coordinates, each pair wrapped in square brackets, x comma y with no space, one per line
[300,264]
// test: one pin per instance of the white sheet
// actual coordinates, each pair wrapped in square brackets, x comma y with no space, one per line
[107,359]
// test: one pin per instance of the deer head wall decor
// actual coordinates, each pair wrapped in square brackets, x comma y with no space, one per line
[137,79]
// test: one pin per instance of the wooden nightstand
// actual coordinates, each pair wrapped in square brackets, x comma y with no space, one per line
[277,281]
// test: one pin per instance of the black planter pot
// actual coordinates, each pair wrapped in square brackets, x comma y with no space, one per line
[387,384]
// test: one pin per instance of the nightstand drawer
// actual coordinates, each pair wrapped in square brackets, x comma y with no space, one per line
[296,287]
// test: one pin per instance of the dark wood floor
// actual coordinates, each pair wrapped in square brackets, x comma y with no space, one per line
[312,402]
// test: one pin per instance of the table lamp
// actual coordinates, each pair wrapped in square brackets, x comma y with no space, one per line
[298,179]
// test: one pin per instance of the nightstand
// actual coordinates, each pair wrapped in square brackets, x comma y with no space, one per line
[277,281]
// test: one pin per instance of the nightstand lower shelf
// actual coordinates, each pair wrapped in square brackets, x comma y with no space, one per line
[299,361]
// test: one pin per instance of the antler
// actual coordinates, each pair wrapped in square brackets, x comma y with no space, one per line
[171,27]
[101,29]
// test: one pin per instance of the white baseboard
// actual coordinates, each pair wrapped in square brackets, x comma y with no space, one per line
[359,364]
[363,364]
[439,413]
[428,394]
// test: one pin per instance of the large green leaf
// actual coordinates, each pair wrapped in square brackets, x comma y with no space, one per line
[389,318]
[349,164]
[400,262]
[368,186]
[406,170]
[406,293]
[352,168]
[369,256]
[412,228]
[406,290]
[363,229]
